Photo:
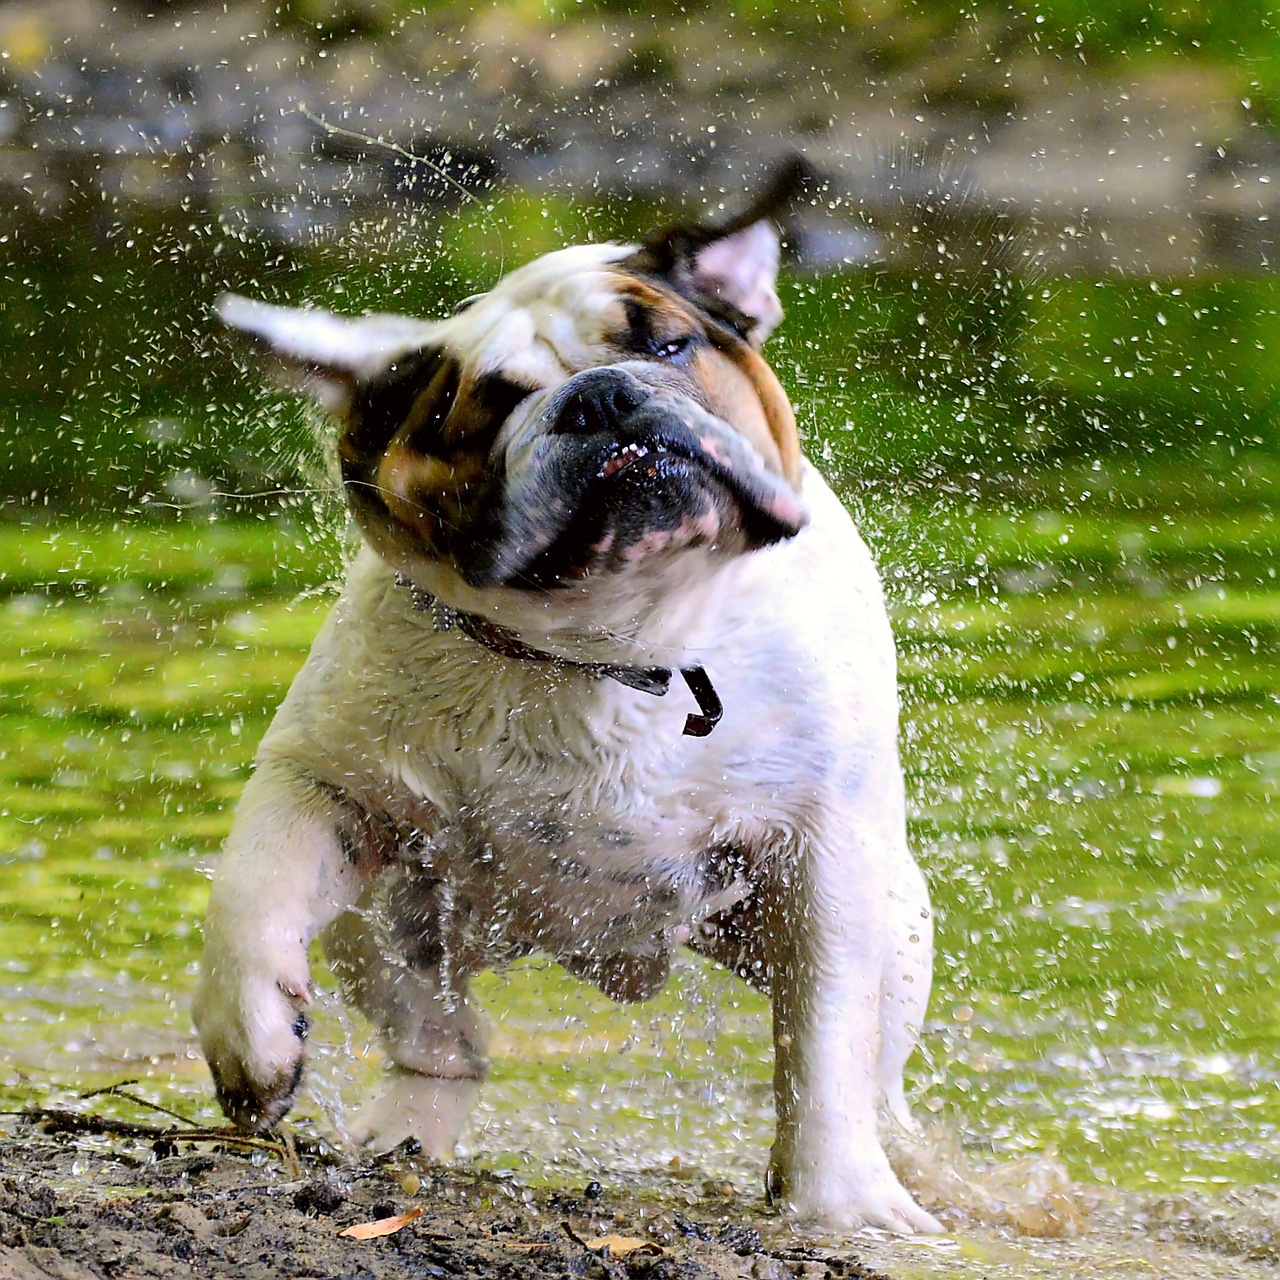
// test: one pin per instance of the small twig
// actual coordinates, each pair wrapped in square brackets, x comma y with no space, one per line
[574,1236]
[73,1122]
[119,1091]
[107,1088]
[610,1267]
[292,1165]
[405,154]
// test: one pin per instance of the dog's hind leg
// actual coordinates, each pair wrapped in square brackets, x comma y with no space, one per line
[290,865]
[434,1038]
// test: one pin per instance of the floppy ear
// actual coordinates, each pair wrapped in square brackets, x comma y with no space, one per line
[329,357]
[731,270]
[741,269]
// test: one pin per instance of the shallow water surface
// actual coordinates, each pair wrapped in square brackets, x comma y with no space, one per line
[1093,748]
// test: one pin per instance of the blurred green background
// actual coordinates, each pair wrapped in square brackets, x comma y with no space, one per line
[136,183]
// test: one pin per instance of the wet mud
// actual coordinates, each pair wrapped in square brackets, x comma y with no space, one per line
[85,1197]
[75,1205]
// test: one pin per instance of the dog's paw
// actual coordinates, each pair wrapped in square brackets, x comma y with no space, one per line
[849,1201]
[430,1110]
[252,1027]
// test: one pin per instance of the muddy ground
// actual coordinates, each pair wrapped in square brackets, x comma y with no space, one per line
[75,1204]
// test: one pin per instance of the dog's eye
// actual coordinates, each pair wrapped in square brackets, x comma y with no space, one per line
[674,350]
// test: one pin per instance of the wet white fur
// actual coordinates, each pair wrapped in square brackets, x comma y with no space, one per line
[438,733]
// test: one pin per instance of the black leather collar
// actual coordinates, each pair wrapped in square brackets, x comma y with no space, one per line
[500,640]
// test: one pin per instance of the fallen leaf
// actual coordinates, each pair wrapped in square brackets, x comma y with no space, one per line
[383,1226]
[621,1246]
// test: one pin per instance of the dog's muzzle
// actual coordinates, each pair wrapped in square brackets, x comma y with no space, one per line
[614,466]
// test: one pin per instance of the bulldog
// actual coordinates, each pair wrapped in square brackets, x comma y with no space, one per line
[580,485]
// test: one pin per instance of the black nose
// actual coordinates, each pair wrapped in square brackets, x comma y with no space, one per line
[598,401]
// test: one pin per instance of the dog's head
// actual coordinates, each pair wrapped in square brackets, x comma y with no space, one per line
[597,410]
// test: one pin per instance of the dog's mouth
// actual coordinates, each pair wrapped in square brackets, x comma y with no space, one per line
[675,454]
[616,467]
[625,456]
[639,462]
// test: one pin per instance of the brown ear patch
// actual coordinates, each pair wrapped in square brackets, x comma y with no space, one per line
[672,254]
[391,451]
[420,388]
[417,441]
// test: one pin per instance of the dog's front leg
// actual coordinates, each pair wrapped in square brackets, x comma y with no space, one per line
[825,941]
[288,868]
[904,989]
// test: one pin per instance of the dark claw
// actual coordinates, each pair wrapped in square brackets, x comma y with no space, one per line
[256,1108]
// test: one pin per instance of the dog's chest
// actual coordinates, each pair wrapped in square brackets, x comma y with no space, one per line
[547,809]
[578,851]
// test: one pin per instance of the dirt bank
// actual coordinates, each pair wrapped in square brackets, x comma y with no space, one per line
[111,111]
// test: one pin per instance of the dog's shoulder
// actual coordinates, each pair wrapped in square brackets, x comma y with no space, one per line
[822,588]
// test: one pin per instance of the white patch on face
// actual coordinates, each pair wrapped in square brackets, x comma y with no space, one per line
[542,323]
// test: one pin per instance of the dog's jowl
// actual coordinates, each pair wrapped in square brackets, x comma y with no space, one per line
[611,675]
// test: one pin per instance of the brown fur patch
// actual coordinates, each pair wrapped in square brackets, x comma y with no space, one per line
[483,403]
[417,442]
[426,492]
[773,402]
[651,315]
[410,390]
[737,382]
